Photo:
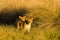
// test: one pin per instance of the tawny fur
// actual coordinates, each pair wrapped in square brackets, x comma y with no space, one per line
[27,26]
[25,22]
[20,21]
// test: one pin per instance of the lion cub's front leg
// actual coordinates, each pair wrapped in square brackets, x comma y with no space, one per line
[19,23]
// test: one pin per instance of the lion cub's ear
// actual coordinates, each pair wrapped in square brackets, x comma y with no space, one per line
[22,18]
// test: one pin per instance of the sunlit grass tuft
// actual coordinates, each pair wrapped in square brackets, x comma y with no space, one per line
[11,33]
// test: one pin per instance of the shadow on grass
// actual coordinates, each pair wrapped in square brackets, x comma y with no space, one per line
[8,16]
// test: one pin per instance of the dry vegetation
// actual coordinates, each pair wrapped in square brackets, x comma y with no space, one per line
[46,24]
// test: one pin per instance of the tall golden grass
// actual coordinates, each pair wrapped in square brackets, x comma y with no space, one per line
[46,14]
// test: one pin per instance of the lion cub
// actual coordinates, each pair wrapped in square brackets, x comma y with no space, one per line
[20,22]
[27,24]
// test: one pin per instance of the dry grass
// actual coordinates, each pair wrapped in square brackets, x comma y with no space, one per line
[46,13]
[44,32]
